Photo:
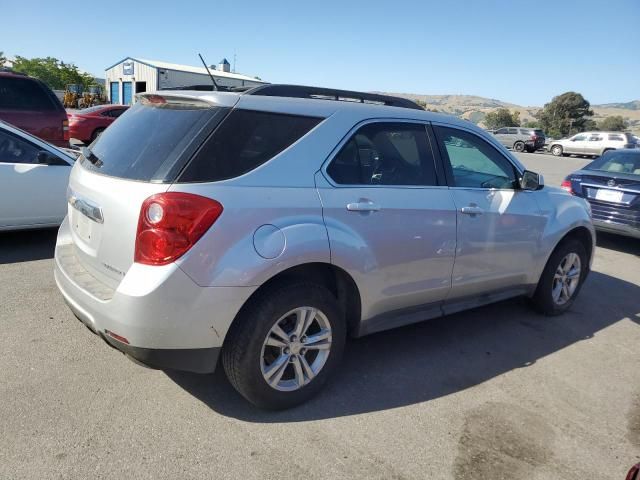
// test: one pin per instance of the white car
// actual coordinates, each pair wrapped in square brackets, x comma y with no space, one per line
[33,180]
[591,143]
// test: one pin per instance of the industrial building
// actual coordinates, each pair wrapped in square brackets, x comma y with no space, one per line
[135,75]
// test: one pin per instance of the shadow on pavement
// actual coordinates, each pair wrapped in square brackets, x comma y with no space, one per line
[618,243]
[27,245]
[436,358]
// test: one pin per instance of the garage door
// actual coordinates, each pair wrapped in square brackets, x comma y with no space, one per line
[126,93]
[115,94]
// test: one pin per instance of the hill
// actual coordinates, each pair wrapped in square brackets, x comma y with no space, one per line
[474,108]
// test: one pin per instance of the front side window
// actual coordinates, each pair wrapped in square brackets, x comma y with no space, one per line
[473,162]
[16,150]
[502,131]
[579,138]
[385,154]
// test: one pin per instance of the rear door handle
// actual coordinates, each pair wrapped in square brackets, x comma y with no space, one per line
[472,210]
[363,206]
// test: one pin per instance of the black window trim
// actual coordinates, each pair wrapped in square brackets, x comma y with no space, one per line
[440,177]
[447,167]
[40,148]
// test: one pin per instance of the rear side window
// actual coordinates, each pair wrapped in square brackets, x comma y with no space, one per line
[385,154]
[245,140]
[24,94]
[513,131]
[150,139]
[616,138]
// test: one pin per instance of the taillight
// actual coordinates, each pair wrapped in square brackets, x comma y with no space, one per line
[65,130]
[534,137]
[170,224]
[566,185]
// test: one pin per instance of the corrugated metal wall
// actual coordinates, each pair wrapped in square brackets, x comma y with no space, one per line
[141,73]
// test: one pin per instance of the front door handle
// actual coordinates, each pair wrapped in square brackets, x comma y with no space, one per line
[363,206]
[472,210]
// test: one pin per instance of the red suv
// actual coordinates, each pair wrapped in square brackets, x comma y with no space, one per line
[29,104]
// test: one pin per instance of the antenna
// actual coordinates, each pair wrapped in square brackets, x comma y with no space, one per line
[213,80]
[234,61]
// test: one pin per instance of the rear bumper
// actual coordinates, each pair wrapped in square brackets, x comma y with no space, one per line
[617,228]
[168,320]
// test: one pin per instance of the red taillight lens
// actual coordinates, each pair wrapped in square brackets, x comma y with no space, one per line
[65,130]
[566,185]
[170,224]
[534,137]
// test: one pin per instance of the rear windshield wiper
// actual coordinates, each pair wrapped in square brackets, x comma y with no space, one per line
[91,157]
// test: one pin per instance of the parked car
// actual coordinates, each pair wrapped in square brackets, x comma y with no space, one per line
[29,104]
[520,139]
[591,143]
[611,184]
[262,228]
[33,180]
[87,124]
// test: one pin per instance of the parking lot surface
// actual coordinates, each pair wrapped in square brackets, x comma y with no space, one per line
[499,392]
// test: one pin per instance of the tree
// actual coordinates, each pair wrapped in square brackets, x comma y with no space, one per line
[565,114]
[3,59]
[614,123]
[55,73]
[531,124]
[502,117]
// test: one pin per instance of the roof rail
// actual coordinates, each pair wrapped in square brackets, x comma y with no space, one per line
[208,88]
[300,91]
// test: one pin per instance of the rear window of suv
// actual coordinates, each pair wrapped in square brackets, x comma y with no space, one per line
[151,139]
[23,93]
[245,140]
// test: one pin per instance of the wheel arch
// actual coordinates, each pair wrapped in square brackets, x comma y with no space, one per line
[581,234]
[332,277]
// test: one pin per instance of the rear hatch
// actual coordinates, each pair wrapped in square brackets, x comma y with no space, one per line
[138,156]
[30,105]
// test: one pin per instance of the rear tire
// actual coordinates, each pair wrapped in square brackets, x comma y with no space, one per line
[255,345]
[550,297]
[556,151]
[518,146]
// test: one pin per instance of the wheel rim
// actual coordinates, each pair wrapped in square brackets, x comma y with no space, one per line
[296,349]
[556,150]
[566,279]
[519,147]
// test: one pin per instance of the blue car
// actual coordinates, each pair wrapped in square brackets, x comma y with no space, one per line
[611,184]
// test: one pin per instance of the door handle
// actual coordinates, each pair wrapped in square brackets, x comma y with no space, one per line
[363,206]
[472,210]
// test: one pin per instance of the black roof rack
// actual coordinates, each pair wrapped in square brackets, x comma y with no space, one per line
[300,91]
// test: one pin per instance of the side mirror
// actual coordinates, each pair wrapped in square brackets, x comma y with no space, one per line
[46,158]
[531,181]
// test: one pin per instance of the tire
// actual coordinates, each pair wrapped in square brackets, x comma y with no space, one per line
[518,146]
[96,133]
[544,300]
[248,360]
[556,150]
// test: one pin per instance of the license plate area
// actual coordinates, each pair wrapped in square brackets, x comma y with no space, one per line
[82,226]
[612,196]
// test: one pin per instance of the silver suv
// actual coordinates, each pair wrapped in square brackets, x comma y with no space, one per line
[265,227]
[592,144]
[520,139]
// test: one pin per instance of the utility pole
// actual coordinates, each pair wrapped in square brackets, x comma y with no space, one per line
[234,61]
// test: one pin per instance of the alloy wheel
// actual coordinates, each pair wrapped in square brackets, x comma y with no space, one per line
[296,349]
[566,279]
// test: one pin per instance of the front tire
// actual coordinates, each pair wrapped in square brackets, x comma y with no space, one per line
[562,278]
[284,345]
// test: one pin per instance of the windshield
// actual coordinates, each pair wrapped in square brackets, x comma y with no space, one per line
[617,161]
[149,139]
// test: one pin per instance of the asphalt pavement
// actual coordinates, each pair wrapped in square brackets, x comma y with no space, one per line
[499,392]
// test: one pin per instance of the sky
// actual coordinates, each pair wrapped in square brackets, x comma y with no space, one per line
[515,51]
